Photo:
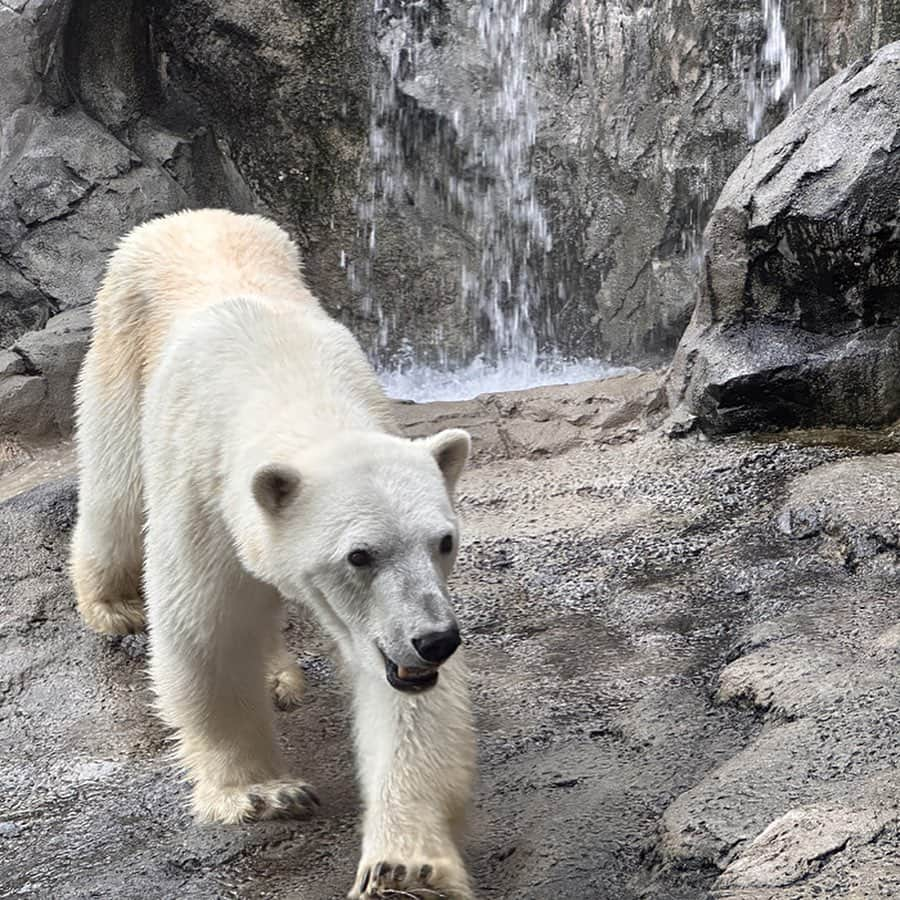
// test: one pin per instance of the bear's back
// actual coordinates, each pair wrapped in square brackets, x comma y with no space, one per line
[172,267]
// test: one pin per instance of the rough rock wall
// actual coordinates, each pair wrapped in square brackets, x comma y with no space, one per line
[87,151]
[80,161]
[285,88]
[642,115]
[646,117]
[798,321]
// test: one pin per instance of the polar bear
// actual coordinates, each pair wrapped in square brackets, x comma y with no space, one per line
[220,409]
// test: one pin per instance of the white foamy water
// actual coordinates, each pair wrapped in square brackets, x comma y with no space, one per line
[423,384]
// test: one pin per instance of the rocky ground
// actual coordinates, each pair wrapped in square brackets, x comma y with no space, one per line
[684,658]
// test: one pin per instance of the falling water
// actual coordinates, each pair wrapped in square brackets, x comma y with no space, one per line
[507,216]
[401,33]
[499,209]
[781,70]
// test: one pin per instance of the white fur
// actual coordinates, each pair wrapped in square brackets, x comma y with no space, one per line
[219,399]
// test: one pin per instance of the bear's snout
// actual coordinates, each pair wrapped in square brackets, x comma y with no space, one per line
[437,646]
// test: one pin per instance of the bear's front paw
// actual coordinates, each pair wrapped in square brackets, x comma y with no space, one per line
[432,879]
[268,800]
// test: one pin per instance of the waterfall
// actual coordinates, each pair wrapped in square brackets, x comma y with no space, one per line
[402,26]
[495,200]
[781,72]
[507,216]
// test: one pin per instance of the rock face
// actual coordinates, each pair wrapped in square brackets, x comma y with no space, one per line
[644,112]
[798,321]
[68,187]
[112,111]
[37,384]
[641,115]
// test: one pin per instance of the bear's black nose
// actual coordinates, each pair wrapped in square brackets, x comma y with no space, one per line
[438,645]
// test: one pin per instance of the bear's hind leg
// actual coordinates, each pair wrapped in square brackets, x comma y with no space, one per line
[210,665]
[285,676]
[106,552]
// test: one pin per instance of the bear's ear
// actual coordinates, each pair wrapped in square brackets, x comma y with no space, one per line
[451,449]
[275,486]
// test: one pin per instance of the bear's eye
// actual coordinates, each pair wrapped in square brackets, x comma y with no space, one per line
[446,543]
[360,558]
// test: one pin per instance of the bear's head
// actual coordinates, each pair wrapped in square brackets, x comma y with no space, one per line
[363,528]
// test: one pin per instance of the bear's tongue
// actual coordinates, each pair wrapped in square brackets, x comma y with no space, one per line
[411,673]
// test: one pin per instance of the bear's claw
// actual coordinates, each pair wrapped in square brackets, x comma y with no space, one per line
[281,801]
[287,686]
[259,802]
[386,880]
[122,614]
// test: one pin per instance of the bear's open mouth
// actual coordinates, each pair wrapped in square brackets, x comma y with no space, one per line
[409,678]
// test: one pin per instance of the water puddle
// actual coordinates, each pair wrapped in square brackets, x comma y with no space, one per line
[21,470]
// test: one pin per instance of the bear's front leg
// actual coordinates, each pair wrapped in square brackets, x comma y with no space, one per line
[212,631]
[416,760]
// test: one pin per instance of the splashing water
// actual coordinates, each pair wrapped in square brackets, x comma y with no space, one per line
[495,200]
[424,383]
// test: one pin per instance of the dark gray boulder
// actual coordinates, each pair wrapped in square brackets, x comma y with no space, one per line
[798,320]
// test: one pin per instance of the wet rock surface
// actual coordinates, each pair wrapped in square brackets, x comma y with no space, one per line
[675,698]
[798,321]
[854,505]
[545,421]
